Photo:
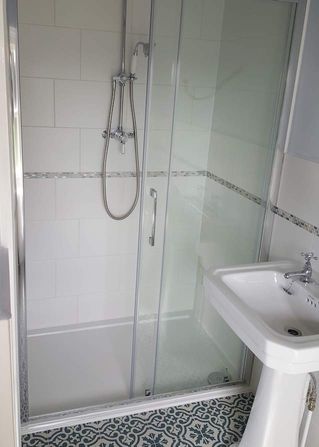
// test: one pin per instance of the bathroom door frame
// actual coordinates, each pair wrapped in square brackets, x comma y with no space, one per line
[94,413]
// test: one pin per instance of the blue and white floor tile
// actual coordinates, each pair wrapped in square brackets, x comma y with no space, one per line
[213,423]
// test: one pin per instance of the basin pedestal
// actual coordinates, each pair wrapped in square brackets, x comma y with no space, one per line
[277,410]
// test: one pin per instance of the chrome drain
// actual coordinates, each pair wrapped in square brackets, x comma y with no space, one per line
[294,332]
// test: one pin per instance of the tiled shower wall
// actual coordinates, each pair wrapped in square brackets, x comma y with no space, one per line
[80,264]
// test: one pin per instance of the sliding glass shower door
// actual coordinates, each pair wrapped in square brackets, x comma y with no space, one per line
[216,87]
[115,309]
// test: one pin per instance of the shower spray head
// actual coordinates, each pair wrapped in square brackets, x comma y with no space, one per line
[145,46]
[146,49]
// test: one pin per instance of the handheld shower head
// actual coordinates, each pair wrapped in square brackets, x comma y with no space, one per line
[146,49]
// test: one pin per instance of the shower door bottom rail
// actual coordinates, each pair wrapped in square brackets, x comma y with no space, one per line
[133,406]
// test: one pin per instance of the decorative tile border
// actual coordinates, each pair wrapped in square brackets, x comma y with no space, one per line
[237,189]
[126,174]
[231,186]
[113,174]
[217,423]
[295,220]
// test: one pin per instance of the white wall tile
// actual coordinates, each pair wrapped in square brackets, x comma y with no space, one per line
[51,149]
[167,18]
[190,150]
[139,103]
[244,165]
[40,279]
[192,18]
[288,241]
[100,237]
[162,107]
[100,55]
[199,62]
[212,19]
[37,102]
[81,103]
[69,277]
[252,64]
[52,239]
[253,19]
[140,21]
[158,150]
[165,56]
[92,148]
[128,273]
[244,114]
[39,199]
[82,198]
[300,180]
[52,312]
[88,275]
[40,12]
[79,198]
[49,52]
[105,306]
[92,14]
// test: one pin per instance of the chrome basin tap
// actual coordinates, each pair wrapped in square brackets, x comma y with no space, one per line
[304,275]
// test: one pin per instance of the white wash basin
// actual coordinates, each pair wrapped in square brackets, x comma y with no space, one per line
[254,302]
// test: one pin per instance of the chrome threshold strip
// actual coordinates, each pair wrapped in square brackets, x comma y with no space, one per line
[134,406]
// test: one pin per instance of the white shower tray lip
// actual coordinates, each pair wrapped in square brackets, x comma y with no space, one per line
[252,301]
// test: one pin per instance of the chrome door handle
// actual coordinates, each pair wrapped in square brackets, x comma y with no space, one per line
[151,239]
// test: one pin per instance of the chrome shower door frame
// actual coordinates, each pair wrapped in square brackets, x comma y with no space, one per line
[17,175]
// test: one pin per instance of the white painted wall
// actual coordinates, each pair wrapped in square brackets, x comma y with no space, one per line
[300,177]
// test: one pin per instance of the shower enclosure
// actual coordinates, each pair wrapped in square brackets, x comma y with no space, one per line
[112,310]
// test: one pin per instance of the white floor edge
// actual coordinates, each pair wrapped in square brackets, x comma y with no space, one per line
[83,416]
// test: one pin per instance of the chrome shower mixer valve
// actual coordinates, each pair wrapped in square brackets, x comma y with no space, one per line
[120,135]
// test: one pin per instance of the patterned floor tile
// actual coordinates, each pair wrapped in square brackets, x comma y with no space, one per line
[34,440]
[86,435]
[213,423]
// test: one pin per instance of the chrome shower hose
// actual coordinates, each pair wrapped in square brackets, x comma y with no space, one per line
[106,152]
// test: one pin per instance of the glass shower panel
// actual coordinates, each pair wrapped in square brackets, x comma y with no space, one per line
[232,60]
[80,264]
[162,73]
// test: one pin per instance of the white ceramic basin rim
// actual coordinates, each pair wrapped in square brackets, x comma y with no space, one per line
[264,309]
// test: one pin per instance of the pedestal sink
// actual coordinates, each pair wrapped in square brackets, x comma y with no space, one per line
[278,319]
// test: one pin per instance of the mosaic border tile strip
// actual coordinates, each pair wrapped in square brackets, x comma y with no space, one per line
[237,189]
[214,423]
[113,174]
[295,220]
[126,174]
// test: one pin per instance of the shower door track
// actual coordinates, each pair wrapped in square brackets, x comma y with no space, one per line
[132,406]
